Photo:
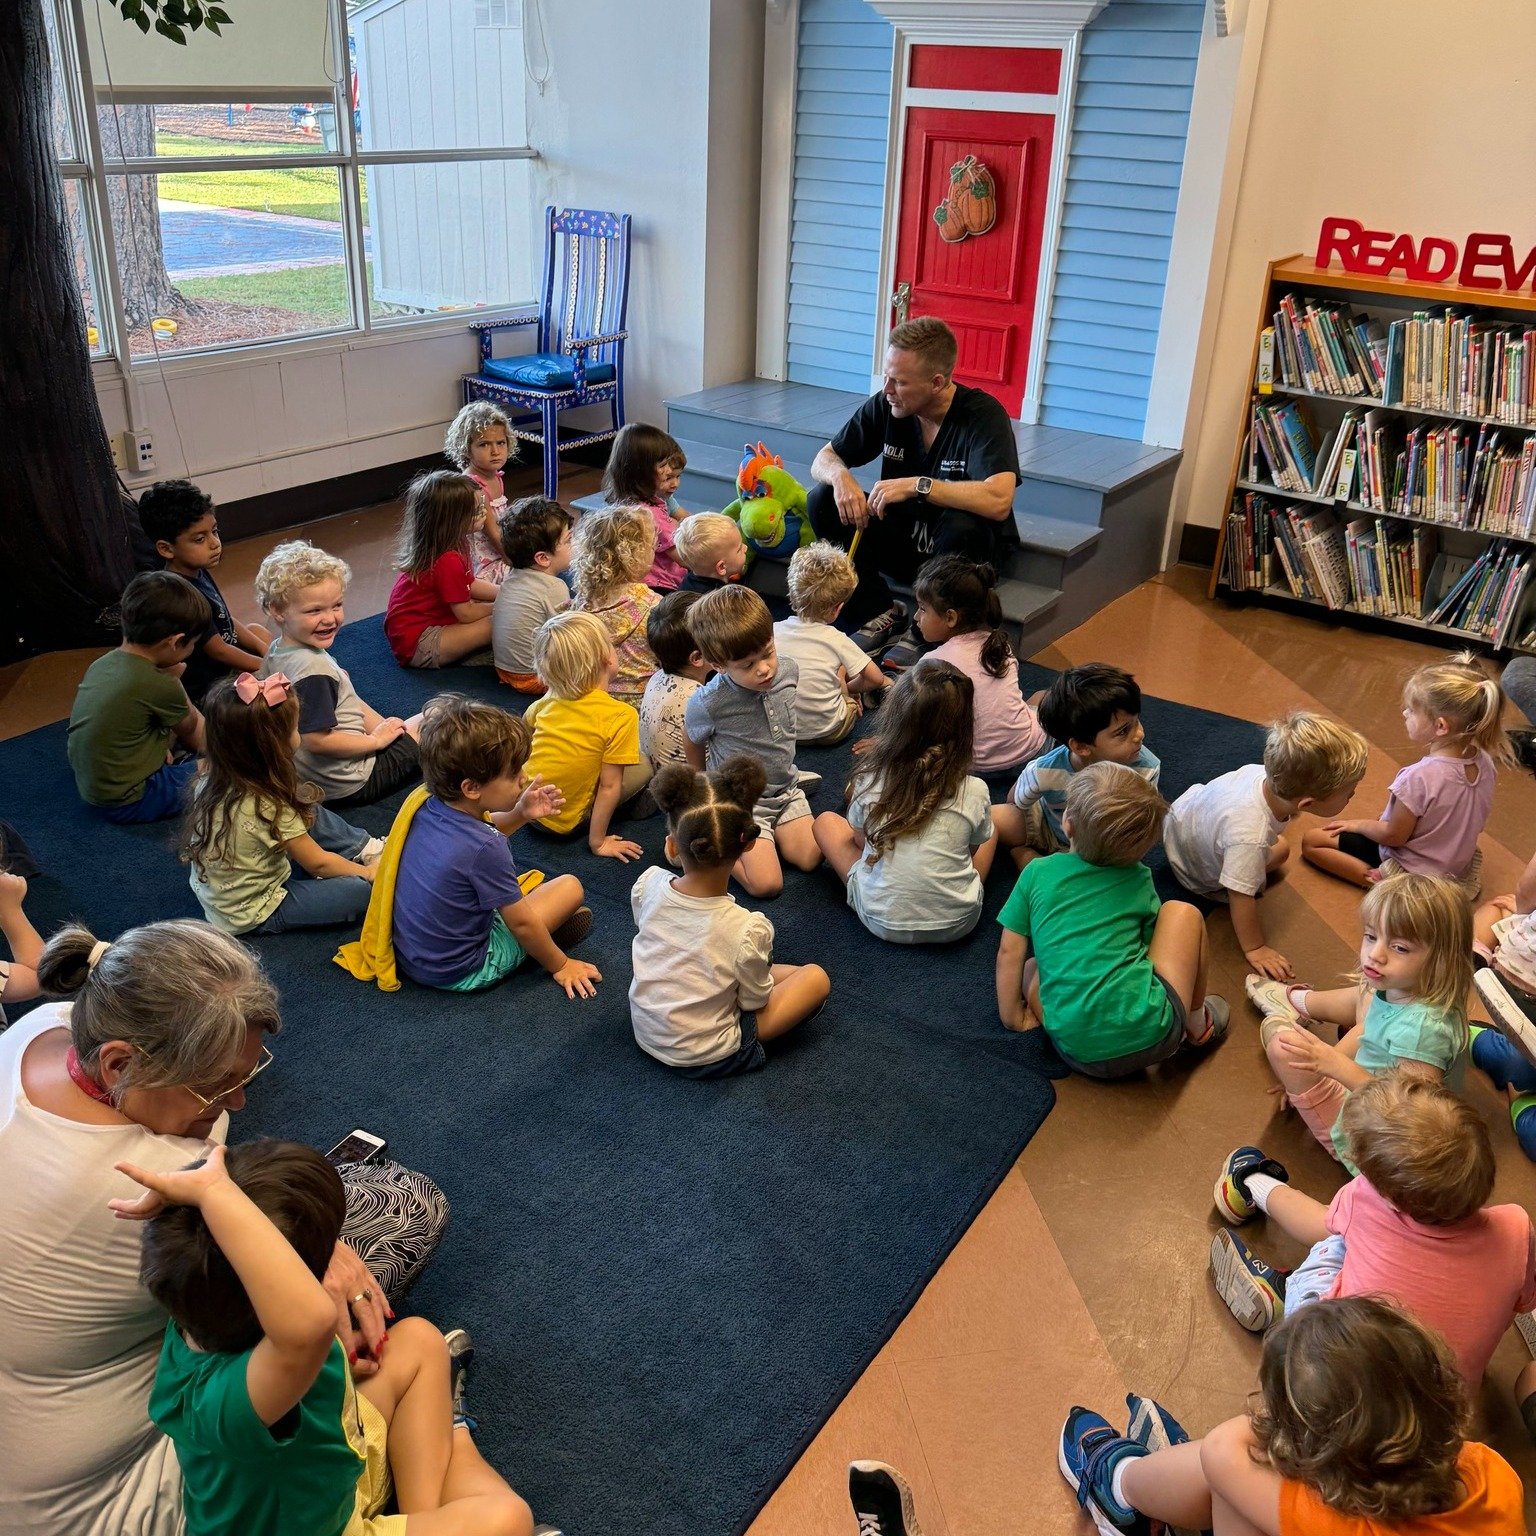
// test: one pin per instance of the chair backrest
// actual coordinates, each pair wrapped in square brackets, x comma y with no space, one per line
[586,279]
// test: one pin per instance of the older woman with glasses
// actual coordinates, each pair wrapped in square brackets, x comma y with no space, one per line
[164,1031]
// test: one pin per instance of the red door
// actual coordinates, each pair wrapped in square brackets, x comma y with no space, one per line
[984,284]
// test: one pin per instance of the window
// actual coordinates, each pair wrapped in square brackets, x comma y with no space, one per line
[403,192]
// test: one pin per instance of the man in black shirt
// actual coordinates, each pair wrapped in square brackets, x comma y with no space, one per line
[949,469]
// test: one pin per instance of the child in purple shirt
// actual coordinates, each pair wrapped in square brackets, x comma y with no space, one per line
[1438,806]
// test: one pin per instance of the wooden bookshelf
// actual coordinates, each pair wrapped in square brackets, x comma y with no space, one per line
[1383,299]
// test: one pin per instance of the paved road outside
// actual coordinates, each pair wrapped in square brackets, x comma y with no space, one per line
[213,242]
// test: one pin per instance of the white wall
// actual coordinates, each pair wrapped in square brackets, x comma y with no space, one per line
[660,121]
[1407,114]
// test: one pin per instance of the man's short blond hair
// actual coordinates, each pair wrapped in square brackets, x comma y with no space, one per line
[291,567]
[570,650]
[703,540]
[1310,757]
[730,624]
[930,341]
[1116,814]
[821,580]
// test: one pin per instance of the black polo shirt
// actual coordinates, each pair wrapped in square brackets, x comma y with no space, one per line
[974,442]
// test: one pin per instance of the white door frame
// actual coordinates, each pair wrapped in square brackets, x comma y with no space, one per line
[781,52]
[1023,34]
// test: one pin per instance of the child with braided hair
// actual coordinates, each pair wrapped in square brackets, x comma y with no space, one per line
[706,993]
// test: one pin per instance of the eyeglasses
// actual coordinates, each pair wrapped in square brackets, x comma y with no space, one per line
[261,1066]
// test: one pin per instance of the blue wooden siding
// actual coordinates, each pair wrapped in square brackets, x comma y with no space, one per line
[1134,82]
[1135,79]
[842,118]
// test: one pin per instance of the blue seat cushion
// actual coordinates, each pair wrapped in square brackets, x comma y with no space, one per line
[543,370]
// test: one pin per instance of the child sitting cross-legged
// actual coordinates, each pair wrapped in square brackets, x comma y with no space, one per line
[918,838]
[706,992]
[711,549]
[1438,806]
[1117,978]
[1360,1430]
[680,671]
[586,743]
[181,522]
[1226,839]
[748,707]
[273,1434]
[250,816]
[611,553]
[461,920]
[1406,1008]
[834,672]
[349,750]
[1093,713]
[439,611]
[130,705]
[536,535]
[1414,1224]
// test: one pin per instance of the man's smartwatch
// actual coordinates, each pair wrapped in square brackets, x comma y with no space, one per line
[924,485]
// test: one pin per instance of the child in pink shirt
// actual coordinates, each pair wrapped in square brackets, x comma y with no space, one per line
[1413,1227]
[1438,806]
[645,469]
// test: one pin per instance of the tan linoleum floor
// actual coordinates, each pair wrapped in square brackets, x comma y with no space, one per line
[1085,1275]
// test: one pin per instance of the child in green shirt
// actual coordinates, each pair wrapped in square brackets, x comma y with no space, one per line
[1117,979]
[273,1435]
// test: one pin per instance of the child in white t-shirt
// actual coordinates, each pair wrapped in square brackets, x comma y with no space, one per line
[706,993]
[834,672]
[1226,839]
[680,670]
[918,838]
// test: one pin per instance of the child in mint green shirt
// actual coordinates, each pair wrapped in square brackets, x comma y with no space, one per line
[1116,979]
[273,1435]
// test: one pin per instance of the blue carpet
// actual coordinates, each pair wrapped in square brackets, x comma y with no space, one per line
[672,1284]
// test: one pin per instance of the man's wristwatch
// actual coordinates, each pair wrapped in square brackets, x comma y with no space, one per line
[924,485]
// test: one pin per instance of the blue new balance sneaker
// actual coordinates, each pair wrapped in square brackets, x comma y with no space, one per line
[1151,1425]
[1232,1201]
[1253,1290]
[1089,1453]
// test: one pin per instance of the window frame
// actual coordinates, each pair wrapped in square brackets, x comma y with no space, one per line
[91,169]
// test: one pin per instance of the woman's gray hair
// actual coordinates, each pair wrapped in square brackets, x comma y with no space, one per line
[181,993]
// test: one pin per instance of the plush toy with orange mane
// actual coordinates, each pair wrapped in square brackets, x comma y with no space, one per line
[770,507]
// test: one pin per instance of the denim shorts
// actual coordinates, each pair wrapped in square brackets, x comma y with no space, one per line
[747,1057]
[165,792]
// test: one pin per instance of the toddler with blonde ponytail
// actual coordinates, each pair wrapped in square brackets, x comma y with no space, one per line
[1438,806]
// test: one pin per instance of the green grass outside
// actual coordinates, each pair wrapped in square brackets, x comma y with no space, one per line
[319,294]
[306,192]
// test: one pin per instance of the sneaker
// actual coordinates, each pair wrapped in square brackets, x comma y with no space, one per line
[1523,745]
[1509,1018]
[461,1356]
[905,653]
[1217,1017]
[543,1529]
[1151,1425]
[1270,997]
[371,851]
[1253,1290]
[806,781]
[574,929]
[642,807]
[878,633]
[882,1500]
[1089,1452]
[1232,1200]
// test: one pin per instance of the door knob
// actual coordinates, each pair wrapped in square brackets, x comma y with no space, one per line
[901,301]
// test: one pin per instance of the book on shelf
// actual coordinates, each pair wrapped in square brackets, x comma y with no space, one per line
[1325,346]
[1485,597]
[1449,360]
[1283,436]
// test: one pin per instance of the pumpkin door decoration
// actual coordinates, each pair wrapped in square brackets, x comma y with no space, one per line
[970,208]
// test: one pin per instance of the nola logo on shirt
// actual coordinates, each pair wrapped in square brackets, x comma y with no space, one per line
[893,451]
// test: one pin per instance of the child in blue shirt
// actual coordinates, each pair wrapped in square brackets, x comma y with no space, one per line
[461,920]
[274,1436]
[1093,714]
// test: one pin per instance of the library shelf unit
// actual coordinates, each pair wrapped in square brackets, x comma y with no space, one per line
[1360,504]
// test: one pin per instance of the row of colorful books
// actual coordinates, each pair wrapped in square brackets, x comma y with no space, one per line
[1452,473]
[1434,360]
[1376,566]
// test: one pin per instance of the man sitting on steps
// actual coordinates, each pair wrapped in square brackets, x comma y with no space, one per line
[949,468]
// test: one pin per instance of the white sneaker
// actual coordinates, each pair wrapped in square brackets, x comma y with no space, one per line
[371,851]
[1509,1018]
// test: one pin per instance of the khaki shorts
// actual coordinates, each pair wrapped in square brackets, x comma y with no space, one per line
[780,806]
[1039,834]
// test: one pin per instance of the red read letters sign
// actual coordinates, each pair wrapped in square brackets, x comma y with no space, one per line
[1481,261]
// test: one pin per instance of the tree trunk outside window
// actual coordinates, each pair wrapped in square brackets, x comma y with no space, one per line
[66,529]
[128,133]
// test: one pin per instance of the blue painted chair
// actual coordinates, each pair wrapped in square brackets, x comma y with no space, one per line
[580,356]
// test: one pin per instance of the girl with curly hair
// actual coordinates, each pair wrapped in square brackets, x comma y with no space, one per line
[611,551]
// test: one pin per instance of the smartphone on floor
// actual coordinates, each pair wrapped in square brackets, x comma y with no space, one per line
[358,1146]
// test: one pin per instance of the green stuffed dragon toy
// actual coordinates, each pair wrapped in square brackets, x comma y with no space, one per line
[771,506]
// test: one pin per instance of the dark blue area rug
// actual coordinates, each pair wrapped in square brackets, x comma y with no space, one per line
[671,1283]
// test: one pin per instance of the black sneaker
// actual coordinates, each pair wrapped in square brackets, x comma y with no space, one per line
[1523,744]
[461,1356]
[642,807]
[905,653]
[882,1501]
[574,929]
[878,633]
